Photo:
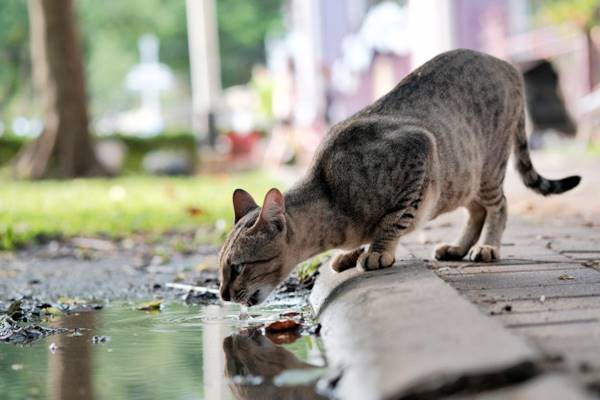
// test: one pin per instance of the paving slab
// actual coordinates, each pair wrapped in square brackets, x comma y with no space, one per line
[402,328]
[552,304]
[493,280]
[578,289]
[550,387]
[549,317]
[505,266]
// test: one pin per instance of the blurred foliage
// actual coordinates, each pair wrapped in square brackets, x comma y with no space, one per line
[307,268]
[136,147]
[15,59]
[110,31]
[242,29]
[583,13]
[120,206]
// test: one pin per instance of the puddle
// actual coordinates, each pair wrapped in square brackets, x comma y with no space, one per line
[182,352]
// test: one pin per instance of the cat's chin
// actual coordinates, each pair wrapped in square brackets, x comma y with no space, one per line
[259,296]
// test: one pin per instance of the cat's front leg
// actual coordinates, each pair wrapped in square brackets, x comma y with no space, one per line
[346,261]
[389,230]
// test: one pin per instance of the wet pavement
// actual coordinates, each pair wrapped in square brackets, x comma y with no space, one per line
[179,352]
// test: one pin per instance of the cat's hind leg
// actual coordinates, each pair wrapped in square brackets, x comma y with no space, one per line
[468,238]
[495,222]
[347,260]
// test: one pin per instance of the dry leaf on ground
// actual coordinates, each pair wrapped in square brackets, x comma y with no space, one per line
[566,277]
[282,325]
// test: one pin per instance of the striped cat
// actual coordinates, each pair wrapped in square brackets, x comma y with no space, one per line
[439,140]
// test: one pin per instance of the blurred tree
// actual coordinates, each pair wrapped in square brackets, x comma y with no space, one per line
[14,54]
[110,30]
[243,26]
[58,75]
[585,14]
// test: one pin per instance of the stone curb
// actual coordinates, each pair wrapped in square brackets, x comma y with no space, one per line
[396,331]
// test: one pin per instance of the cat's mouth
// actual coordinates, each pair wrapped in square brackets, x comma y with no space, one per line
[254,299]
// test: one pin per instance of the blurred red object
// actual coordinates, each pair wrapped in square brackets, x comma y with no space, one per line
[242,144]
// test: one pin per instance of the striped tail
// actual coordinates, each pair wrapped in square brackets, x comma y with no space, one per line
[530,176]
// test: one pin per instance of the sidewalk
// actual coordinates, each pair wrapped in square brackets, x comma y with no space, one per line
[525,327]
[545,289]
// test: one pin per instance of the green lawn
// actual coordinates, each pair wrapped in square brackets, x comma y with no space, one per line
[119,206]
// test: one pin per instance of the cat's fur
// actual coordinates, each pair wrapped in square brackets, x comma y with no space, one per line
[438,141]
[253,354]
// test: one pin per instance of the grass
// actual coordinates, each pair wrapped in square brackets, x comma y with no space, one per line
[120,206]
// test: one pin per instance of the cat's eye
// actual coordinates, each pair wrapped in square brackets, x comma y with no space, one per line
[236,269]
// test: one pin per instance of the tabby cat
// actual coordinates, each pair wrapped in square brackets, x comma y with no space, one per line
[438,141]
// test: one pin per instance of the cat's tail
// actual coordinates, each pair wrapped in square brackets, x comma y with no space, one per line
[530,176]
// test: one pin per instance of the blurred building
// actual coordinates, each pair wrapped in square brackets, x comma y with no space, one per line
[347,53]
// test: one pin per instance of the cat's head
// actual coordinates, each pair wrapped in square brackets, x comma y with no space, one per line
[254,258]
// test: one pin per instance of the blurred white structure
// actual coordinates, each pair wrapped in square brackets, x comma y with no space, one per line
[149,78]
[204,66]
[431,28]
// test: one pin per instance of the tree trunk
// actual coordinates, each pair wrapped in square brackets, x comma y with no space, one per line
[593,58]
[65,148]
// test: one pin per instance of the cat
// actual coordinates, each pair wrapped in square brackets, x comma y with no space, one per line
[255,355]
[438,141]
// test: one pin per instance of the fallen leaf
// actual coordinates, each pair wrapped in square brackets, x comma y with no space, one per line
[283,337]
[151,306]
[194,211]
[566,277]
[282,326]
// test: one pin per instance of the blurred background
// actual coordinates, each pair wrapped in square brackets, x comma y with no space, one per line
[210,88]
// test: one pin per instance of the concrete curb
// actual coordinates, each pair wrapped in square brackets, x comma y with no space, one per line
[548,387]
[397,331]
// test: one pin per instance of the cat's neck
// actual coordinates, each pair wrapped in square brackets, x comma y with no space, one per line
[313,224]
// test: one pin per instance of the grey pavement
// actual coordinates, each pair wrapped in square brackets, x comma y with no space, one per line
[404,333]
[526,327]
[546,289]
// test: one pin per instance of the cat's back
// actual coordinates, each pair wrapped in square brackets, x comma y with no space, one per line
[460,81]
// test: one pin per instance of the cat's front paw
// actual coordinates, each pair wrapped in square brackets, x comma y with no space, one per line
[448,252]
[373,260]
[484,253]
[346,260]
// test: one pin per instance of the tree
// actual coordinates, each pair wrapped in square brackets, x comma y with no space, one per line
[243,26]
[585,14]
[57,67]
[14,57]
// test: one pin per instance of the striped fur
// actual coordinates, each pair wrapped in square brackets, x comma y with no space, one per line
[438,141]
[531,178]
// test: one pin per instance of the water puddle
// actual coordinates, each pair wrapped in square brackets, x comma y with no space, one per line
[180,352]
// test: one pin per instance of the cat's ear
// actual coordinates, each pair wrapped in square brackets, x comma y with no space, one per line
[273,209]
[243,203]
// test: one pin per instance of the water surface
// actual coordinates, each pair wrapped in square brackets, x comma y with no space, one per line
[181,352]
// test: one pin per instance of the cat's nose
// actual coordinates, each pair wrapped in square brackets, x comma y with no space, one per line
[225,292]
